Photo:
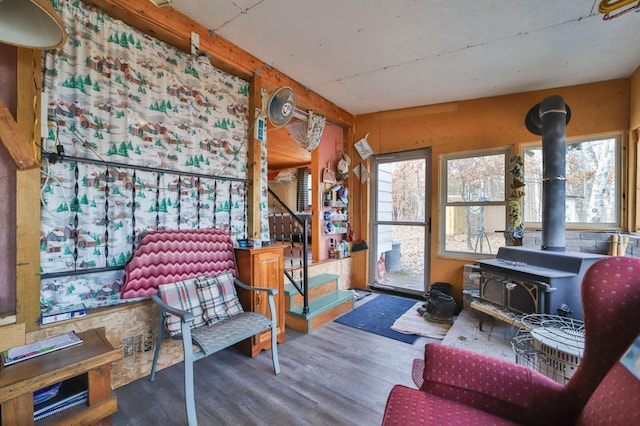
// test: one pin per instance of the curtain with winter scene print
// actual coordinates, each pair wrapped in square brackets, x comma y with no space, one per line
[149,141]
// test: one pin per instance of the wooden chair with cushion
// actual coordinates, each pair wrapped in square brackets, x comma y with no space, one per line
[461,387]
[191,276]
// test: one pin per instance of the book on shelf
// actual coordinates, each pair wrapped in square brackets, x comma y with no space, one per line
[72,392]
[62,313]
[41,347]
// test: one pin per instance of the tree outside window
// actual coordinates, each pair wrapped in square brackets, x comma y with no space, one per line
[474,202]
[592,186]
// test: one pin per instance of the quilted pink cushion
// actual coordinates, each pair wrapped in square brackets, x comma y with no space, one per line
[182,295]
[175,255]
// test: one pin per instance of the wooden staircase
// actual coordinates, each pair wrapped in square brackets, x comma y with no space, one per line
[326,302]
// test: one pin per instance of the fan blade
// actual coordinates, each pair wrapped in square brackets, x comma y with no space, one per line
[281,106]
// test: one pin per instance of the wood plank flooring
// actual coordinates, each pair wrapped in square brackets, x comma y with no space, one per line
[336,376]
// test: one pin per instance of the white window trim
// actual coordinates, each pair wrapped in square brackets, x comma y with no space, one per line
[442,202]
[619,184]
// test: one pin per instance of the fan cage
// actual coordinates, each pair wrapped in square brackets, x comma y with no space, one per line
[550,344]
[281,106]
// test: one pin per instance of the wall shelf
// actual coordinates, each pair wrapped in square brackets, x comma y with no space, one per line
[92,356]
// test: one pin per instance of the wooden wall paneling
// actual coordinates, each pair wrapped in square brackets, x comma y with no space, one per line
[8,228]
[634,180]
[254,158]
[359,276]
[172,27]
[627,179]
[28,195]
[11,336]
[317,205]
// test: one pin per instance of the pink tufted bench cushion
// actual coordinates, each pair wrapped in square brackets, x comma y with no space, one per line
[169,256]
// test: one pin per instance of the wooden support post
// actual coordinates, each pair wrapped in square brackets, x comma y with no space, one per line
[254,157]
[28,197]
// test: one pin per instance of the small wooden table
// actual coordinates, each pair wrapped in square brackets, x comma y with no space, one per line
[92,356]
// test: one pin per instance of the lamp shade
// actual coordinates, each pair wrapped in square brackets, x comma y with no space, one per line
[31,23]
[202,62]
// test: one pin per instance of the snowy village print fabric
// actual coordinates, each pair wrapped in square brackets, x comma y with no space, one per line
[154,139]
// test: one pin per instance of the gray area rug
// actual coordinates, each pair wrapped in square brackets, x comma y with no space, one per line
[411,322]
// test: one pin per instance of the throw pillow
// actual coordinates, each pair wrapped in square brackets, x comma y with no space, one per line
[182,295]
[218,297]
[228,291]
[214,308]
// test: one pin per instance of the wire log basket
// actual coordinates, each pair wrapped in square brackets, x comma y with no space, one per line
[550,344]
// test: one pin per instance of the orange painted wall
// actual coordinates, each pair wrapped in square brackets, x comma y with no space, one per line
[487,123]
[634,101]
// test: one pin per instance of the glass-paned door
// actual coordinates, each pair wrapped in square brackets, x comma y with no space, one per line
[400,231]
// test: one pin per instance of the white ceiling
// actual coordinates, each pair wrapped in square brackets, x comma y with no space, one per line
[377,55]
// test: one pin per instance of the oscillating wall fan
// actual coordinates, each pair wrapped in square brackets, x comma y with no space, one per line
[281,106]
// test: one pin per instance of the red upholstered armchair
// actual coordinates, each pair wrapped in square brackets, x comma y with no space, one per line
[461,387]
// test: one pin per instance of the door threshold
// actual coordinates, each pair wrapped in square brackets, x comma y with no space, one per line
[396,290]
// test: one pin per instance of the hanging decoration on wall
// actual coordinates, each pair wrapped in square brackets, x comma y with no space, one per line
[308,134]
[363,148]
[328,174]
[515,228]
[343,167]
[361,172]
[315,128]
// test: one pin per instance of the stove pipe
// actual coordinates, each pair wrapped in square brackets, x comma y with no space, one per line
[549,119]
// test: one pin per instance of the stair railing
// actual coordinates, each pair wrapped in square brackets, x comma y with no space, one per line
[290,228]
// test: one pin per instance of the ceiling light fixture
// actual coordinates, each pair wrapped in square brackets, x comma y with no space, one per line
[199,59]
[202,62]
[160,3]
[31,23]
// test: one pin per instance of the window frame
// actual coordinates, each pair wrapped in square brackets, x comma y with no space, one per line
[444,204]
[309,191]
[619,182]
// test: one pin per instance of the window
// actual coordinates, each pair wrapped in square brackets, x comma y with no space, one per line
[303,189]
[309,192]
[474,213]
[592,186]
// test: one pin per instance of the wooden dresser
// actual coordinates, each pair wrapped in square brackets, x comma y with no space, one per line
[261,267]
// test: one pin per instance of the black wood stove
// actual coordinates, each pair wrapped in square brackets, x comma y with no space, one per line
[526,280]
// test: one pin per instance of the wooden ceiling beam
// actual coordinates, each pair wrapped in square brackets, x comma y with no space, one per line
[169,25]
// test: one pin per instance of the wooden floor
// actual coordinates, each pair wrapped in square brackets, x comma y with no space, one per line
[336,376]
